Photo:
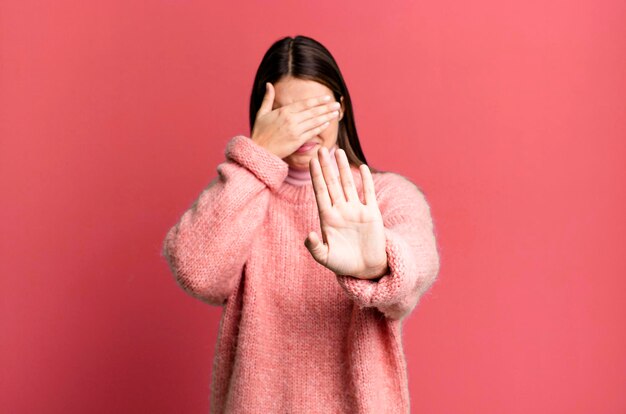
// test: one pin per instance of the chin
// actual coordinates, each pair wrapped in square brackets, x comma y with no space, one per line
[299,162]
[302,167]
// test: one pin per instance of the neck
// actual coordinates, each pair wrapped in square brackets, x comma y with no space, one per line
[303,177]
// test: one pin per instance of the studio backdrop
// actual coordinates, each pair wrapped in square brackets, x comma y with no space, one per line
[510,116]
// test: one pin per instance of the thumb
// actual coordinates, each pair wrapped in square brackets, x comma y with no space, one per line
[318,250]
[268,100]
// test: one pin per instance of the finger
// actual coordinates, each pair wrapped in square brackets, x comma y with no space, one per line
[369,191]
[304,137]
[319,186]
[315,122]
[268,100]
[321,111]
[318,250]
[332,183]
[347,180]
[307,103]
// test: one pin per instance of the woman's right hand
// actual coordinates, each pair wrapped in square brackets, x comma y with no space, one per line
[283,130]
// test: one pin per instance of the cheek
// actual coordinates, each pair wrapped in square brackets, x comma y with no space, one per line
[329,135]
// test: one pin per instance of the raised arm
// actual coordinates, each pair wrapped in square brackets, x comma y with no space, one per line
[412,254]
[208,247]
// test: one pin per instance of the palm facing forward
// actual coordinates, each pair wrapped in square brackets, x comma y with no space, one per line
[353,233]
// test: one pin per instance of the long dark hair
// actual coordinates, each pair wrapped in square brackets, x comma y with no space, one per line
[305,58]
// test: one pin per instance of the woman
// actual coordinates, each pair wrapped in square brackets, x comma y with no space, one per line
[316,258]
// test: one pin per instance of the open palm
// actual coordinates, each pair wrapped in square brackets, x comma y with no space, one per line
[353,238]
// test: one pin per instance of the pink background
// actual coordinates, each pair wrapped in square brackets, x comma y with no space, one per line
[510,116]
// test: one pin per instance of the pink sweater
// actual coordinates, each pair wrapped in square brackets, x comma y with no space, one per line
[294,337]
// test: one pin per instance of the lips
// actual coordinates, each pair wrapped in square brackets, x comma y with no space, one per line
[307,146]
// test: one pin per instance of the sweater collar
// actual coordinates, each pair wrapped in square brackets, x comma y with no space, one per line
[297,188]
[303,177]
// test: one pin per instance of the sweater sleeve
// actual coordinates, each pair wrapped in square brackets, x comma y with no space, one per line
[208,247]
[412,254]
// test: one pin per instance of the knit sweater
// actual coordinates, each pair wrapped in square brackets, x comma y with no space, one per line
[294,337]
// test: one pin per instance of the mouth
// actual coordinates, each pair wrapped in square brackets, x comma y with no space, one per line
[306,147]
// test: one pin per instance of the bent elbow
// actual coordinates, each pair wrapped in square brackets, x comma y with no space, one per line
[200,278]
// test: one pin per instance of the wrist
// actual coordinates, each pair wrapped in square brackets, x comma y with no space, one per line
[263,144]
[376,272]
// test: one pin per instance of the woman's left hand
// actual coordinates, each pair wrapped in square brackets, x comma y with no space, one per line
[353,233]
